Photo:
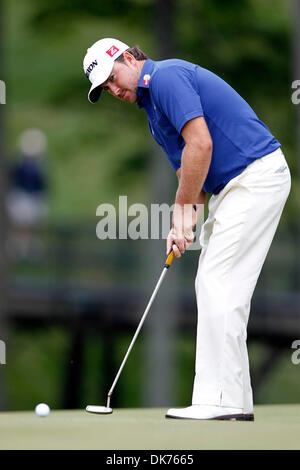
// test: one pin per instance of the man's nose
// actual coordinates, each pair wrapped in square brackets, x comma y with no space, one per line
[114,90]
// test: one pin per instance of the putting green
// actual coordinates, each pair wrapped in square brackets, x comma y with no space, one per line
[275,427]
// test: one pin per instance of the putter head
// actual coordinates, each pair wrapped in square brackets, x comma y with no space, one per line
[102,410]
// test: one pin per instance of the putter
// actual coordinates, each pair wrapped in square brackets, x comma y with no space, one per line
[107,409]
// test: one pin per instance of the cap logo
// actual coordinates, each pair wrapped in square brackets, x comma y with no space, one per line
[91,67]
[146,79]
[112,51]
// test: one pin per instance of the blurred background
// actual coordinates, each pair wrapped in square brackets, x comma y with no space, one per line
[70,303]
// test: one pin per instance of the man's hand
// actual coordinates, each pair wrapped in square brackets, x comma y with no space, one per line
[181,235]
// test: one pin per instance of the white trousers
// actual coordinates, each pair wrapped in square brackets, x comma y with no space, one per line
[235,239]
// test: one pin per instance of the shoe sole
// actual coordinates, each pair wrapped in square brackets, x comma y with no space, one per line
[241,417]
[238,417]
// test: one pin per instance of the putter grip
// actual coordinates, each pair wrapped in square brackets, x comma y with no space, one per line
[169,259]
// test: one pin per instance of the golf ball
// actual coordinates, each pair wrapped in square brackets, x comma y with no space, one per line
[42,409]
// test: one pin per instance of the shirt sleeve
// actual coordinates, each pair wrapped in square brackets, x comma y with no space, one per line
[172,90]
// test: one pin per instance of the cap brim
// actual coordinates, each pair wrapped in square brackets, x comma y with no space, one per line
[95,93]
[96,90]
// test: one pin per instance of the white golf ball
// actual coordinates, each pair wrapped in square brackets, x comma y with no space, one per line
[42,409]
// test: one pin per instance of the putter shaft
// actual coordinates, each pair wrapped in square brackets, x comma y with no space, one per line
[166,267]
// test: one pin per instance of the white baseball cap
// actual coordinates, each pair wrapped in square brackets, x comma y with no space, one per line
[98,63]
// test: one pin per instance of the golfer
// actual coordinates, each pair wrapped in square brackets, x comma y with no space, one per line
[217,145]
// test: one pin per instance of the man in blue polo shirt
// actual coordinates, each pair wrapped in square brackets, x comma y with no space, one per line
[217,145]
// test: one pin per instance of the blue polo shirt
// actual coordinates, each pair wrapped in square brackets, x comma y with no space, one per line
[175,91]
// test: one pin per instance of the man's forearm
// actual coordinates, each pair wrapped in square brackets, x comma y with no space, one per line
[195,163]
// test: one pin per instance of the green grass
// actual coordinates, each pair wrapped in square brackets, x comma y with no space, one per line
[275,427]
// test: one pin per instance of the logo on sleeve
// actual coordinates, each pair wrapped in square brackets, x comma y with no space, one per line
[112,51]
[146,79]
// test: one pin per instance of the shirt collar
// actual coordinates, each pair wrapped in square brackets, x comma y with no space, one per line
[144,80]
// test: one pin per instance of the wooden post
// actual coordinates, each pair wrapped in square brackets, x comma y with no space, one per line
[296,76]
[161,324]
[3,224]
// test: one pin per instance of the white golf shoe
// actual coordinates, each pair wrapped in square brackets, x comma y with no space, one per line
[209,412]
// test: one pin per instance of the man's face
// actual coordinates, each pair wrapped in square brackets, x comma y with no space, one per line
[123,81]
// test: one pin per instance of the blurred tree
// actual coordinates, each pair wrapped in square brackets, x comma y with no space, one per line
[59,10]
[235,38]
[246,42]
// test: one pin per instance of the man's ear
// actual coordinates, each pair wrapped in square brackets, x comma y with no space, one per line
[128,57]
